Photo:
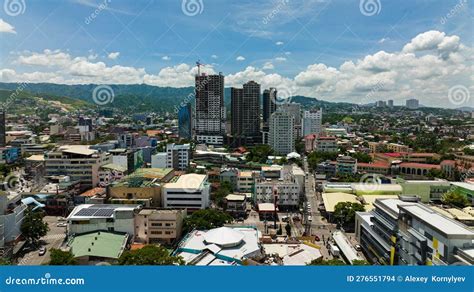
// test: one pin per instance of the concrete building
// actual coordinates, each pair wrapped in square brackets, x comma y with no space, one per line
[88,218]
[281,135]
[405,232]
[185,118]
[246,181]
[189,191]
[210,109]
[110,173]
[79,162]
[178,156]
[245,114]
[98,247]
[412,103]
[159,160]
[143,187]
[284,192]
[325,144]
[346,165]
[312,121]
[294,109]
[269,105]
[3,141]
[159,226]
[236,205]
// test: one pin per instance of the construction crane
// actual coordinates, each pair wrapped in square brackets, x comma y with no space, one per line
[199,64]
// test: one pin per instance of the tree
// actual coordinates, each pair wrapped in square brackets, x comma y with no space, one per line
[288,229]
[259,153]
[33,227]
[206,219]
[321,262]
[344,213]
[4,262]
[222,192]
[156,255]
[455,198]
[62,258]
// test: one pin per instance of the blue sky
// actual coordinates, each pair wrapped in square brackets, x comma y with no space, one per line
[153,38]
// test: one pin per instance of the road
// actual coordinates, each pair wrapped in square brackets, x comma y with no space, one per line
[53,239]
[318,225]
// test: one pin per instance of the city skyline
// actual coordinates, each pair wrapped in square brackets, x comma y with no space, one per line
[297,47]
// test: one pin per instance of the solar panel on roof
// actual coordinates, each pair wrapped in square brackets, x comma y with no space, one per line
[86,212]
[104,212]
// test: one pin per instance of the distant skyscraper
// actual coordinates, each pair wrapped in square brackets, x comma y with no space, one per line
[281,136]
[185,122]
[2,129]
[412,103]
[380,103]
[294,109]
[312,120]
[269,105]
[210,109]
[390,103]
[245,111]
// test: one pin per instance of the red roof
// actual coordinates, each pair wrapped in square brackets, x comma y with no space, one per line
[93,192]
[375,165]
[394,154]
[419,165]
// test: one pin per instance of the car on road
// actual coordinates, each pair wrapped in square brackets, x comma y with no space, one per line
[42,251]
[358,247]
[317,238]
[310,219]
[61,224]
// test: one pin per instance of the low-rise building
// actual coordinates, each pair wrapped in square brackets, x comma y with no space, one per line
[189,191]
[346,165]
[159,225]
[236,205]
[110,173]
[284,192]
[325,144]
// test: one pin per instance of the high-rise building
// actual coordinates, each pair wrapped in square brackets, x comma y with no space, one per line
[294,109]
[2,129]
[269,105]
[185,122]
[178,156]
[412,103]
[390,103]
[210,109]
[312,121]
[281,136]
[245,111]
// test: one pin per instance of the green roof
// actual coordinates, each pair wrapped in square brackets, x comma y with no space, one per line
[106,244]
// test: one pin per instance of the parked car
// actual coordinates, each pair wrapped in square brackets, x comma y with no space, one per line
[61,224]
[42,251]
[358,247]
[317,238]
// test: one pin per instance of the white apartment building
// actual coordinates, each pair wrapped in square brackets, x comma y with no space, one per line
[11,215]
[159,160]
[79,162]
[325,144]
[281,136]
[158,226]
[312,121]
[102,217]
[285,192]
[178,156]
[189,191]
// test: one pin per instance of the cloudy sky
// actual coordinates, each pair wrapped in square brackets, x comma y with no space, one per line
[339,50]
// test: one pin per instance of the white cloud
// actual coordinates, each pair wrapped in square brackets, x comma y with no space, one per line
[6,27]
[165,58]
[214,56]
[240,58]
[113,55]
[279,43]
[425,68]
[280,59]
[268,66]
[383,40]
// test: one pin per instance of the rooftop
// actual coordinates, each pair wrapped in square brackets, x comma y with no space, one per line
[330,200]
[191,181]
[99,244]
[86,211]
[116,167]
[78,149]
